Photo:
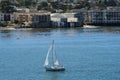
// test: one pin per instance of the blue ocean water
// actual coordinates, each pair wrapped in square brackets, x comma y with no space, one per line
[87,54]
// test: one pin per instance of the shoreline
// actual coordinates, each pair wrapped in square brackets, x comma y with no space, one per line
[31,28]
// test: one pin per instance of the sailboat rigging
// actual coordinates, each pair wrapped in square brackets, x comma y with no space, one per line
[55,63]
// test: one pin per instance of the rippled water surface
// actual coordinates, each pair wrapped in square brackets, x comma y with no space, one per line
[87,54]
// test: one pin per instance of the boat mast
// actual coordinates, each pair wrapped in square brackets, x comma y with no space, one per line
[53,54]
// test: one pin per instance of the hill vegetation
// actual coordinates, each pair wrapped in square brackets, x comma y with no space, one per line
[8,7]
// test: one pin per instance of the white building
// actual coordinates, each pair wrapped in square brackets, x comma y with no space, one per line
[66,20]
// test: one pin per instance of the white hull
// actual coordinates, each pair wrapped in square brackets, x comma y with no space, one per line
[89,26]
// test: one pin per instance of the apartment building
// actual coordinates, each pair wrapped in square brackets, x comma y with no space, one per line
[109,16]
[41,20]
[33,19]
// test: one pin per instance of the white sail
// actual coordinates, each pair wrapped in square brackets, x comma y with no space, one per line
[55,58]
[46,60]
[56,63]
[55,66]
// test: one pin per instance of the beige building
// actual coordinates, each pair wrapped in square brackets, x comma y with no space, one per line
[33,19]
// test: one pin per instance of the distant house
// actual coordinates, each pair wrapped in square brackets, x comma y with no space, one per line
[66,19]
[23,10]
[41,20]
[82,14]
[1,16]
[33,19]
[56,20]
[110,16]
[6,17]
[22,17]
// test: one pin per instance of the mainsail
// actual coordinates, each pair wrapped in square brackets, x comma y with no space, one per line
[54,59]
[46,60]
[54,66]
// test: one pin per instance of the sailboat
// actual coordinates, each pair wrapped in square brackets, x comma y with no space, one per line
[55,66]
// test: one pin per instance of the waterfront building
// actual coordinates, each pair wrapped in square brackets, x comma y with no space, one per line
[58,20]
[41,20]
[66,19]
[83,14]
[110,16]
[6,17]
[33,19]
[22,17]
[1,17]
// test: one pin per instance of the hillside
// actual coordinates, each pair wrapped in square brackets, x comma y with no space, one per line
[53,5]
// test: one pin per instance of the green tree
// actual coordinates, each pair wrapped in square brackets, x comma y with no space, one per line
[3,23]
[111,3]
[106,3]
[82,5]
[42,5]
[26,3]
[49,1]
[39,7]
[6,6]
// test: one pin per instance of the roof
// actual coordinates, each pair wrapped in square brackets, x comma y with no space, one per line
[62,15]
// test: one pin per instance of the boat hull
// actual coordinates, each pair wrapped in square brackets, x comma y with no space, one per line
[55,68]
